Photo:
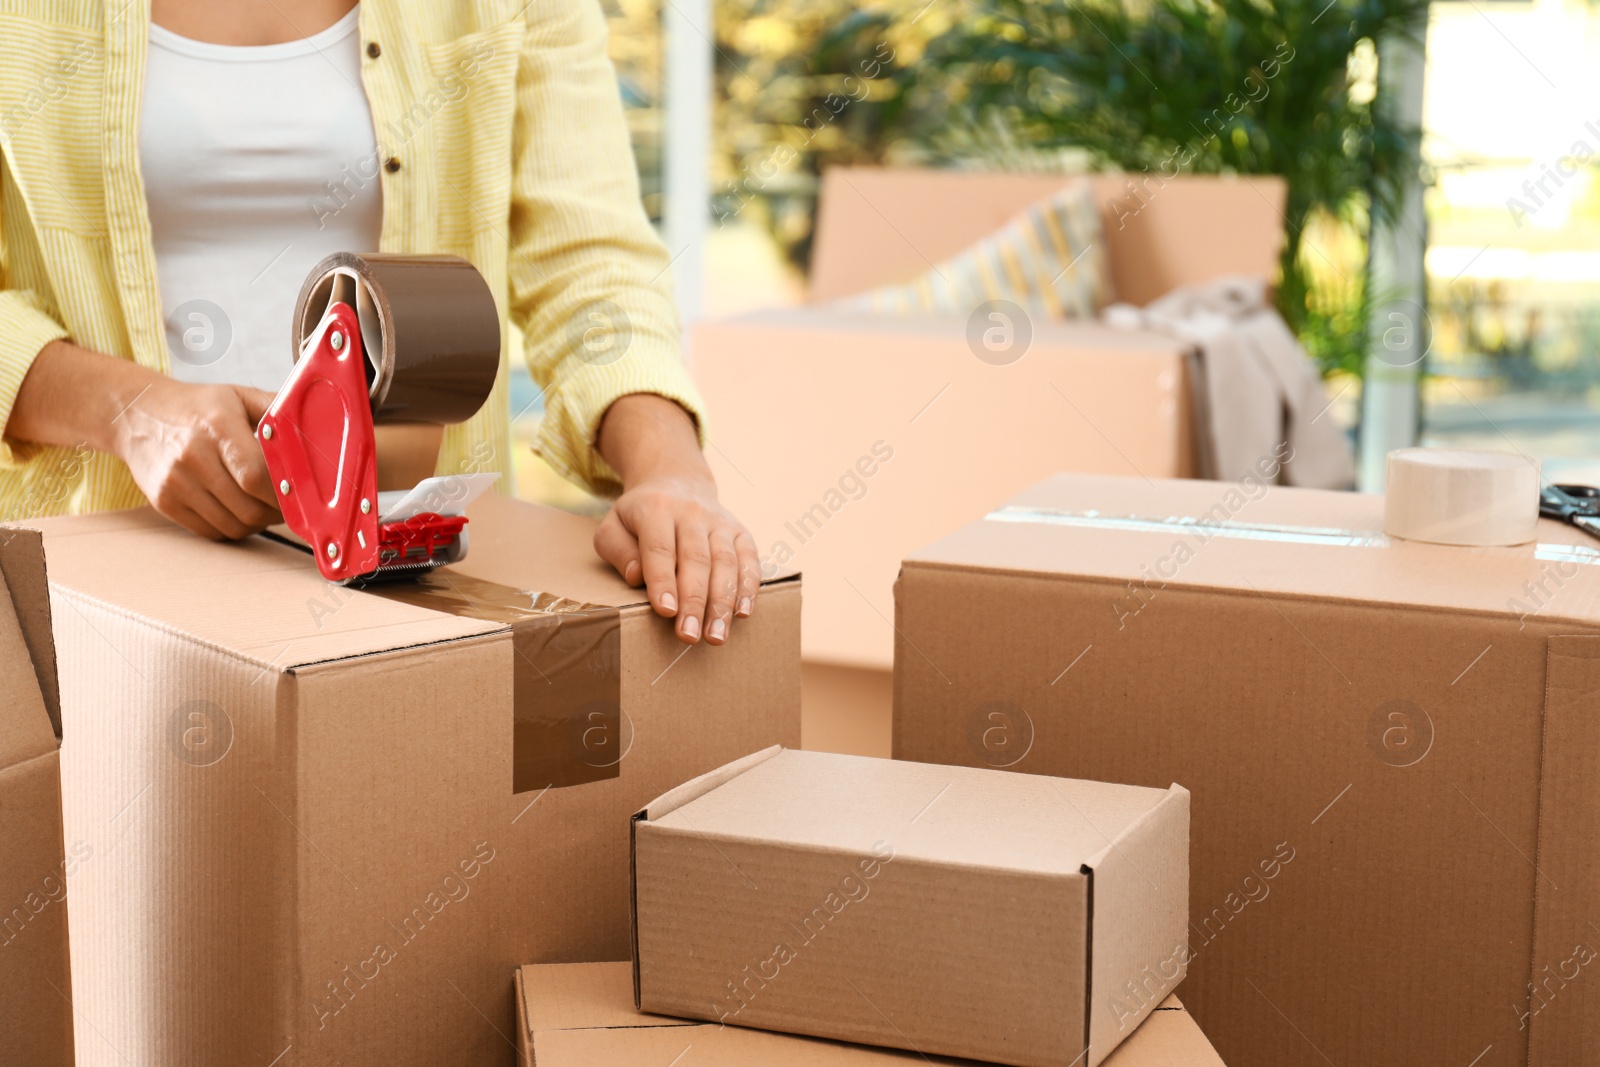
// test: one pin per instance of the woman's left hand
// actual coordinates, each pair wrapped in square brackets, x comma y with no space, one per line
[667,530]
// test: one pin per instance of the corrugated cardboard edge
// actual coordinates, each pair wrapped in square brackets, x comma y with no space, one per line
[22,563]
[1564,1004]
[1149,945]
[669,801]
[524,1041]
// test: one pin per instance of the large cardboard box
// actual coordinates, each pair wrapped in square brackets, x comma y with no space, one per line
[1392,748]
[329,823]
[582,1015]
[1004,917]
[894,431]
[35,1005]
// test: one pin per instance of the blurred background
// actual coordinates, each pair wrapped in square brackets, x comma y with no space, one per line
[1441,163]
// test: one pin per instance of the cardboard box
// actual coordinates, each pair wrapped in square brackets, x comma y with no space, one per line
[892,431]
[582,1015]
[35,1012]
[329,823]
[1002,917]
[1391,745]
[882,225]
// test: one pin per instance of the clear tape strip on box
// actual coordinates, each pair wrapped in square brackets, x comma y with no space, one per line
[1245,531]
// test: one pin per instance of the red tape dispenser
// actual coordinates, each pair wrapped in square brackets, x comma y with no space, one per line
[379,339]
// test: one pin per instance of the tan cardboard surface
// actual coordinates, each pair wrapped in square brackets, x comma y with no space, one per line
[891,434]
[582,1014]
[308,845]
[23,568]
[35,1009]
[846,709]
[1388,746]
[879,226]
[826,894]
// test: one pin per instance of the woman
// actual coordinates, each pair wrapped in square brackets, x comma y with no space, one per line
[168,178]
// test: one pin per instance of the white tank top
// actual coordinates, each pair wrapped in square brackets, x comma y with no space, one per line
[257,162]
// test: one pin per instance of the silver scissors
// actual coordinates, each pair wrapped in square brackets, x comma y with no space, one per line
[1575,504]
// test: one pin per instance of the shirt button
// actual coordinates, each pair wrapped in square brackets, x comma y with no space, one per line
[373,51]
[391,164]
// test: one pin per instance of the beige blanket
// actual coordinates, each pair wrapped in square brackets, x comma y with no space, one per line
[1258,394]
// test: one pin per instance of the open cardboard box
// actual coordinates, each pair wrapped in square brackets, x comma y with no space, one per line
[328,823]
[1004,917]
[582,1015]
[35,1005]
[847,441]
[1393,748]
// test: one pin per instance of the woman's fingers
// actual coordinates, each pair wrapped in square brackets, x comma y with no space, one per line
[723,587]
[658,558]
[749,573]
[694,576]
[614,544]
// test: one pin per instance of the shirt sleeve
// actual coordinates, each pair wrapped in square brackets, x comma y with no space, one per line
[587,274]
[25,328]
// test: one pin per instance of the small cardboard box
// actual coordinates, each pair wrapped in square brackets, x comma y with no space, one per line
[329,823]
[35,1009]
[893,431]
[582,1015]
[1003,917]
[1393,748]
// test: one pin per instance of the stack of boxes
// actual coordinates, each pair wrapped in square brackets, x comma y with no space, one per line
[306,825]
[317,825]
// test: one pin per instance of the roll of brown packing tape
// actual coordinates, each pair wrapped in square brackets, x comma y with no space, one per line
[428,324]
[1461,497]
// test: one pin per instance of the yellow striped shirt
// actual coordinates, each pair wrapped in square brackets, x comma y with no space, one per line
[505,140]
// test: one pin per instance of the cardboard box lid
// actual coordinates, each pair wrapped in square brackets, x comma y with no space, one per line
[960,816]
[1280,541]
[279,612]
[28,724]
[582,1013]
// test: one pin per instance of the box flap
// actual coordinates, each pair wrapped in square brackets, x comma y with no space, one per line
[1139,910]
[673,799]
[22,563]
[580,1014]
[279,613]
[960,816]
[543,550]
[583,996]
[26,730]
[1260,540]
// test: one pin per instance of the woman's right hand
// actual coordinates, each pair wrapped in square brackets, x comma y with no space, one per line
[191,448]
[193,452]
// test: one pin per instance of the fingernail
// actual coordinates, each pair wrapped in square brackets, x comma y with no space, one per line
[631,573]
[691,628]
[745,607]
[719,629]
[669,602]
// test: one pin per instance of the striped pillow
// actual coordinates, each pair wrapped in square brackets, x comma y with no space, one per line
[1050,260]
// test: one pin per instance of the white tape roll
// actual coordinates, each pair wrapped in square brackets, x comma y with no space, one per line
[1460,497]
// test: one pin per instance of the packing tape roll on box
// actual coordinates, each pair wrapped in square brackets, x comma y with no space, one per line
[1461,497]
[428,324]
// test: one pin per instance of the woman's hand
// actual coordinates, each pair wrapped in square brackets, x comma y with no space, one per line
[667,531]
[190,448]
